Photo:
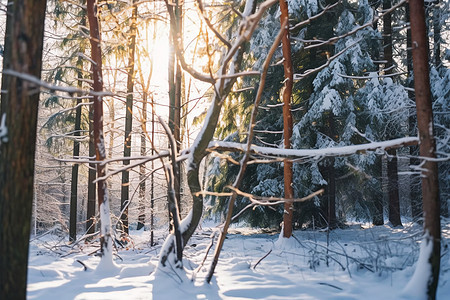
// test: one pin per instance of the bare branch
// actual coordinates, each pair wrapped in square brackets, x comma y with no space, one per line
[306,22]
[48,86]
[211,27]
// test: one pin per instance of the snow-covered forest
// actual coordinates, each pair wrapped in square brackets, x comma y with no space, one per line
[243,149]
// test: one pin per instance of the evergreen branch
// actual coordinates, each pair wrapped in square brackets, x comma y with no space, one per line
[356,29]
[312,71]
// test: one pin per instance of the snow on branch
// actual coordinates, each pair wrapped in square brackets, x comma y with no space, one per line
[311,71]
[48,86]
[269,201]
[306,22]
[259,200]
[305,153]
[319,43]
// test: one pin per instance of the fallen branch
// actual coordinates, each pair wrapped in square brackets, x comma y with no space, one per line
[257,263]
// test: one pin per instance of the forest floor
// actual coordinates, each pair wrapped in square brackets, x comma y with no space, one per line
[358,262]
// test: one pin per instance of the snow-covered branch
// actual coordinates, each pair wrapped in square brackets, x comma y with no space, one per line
[48,86]
[308,153]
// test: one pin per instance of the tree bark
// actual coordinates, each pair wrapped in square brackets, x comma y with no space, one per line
[19,111]
[394,203]
[76,153]
[100,152]
[76,148]
[142,177]
[125,190]
[90,212]
[427,143]
[416,201]
[394,200]
[176,31]
[287,120]
[437,36]
[378,216]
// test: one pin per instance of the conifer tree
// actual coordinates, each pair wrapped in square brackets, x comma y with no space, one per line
[18,119]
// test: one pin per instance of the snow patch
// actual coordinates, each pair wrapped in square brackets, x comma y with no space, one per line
[417,286]
[284,243]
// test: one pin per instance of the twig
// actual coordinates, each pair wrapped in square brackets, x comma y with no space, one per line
[83,264]
[257,263]
[330,285]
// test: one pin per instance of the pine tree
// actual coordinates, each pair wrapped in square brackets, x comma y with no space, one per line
[19,108]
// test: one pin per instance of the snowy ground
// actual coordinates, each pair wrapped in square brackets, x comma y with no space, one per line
[359,263]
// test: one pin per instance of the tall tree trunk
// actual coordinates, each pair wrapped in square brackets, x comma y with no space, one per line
[76,153]
[437,35]
[19,112]
[152,180]
[438,65]
[76,146]
[142,176]
[176,30]
[331,177]
[416,201]
[427,145]
[287,120]
[90,211]
[100,153]
[376,193]
[125,191]
[394,203]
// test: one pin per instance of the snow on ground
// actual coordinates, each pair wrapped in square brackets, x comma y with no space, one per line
[360,262]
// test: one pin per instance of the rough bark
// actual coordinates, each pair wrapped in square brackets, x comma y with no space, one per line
[394,203]
[287,119]
[23,43]
[100,151]
[427,143]
[416,201]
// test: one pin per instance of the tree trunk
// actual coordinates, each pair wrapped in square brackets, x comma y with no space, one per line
[100,153]
[394,203]
[287,120]
[176,30]
[76,148]
[437,35]
[90,212]
[377,196]
[19,111]
[394,199]
[331,190]
[142,177]
[414,195]
[125,191]
[76,153]
[152,181]
[427,145]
